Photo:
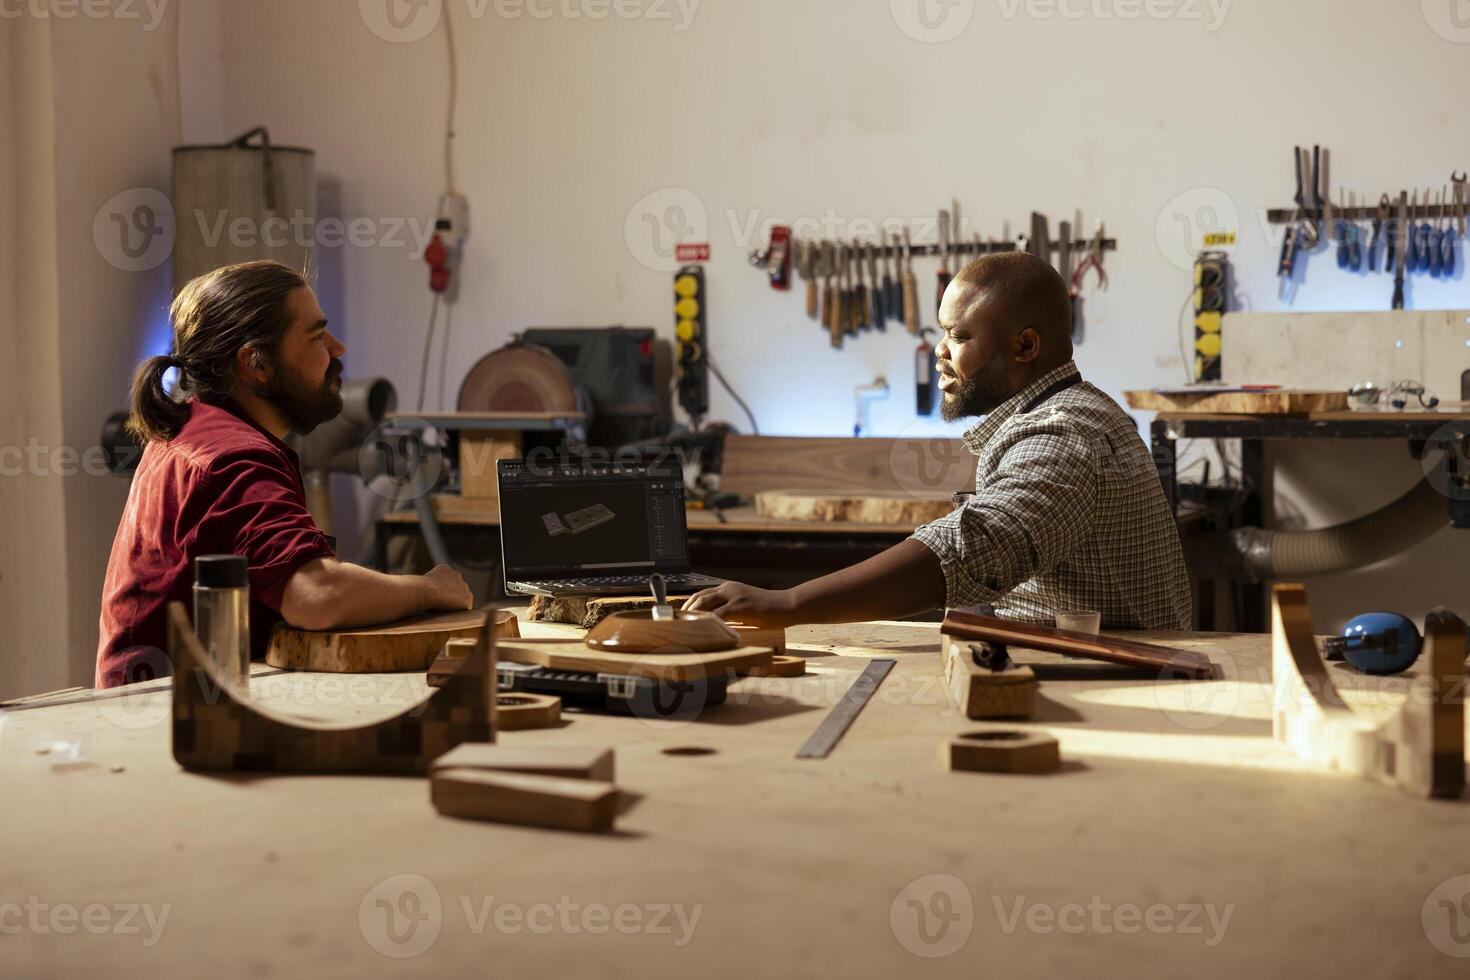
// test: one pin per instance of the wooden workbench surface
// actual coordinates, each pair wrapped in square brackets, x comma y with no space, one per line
[1172,796]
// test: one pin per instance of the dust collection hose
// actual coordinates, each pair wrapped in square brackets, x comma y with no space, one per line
[1362,541]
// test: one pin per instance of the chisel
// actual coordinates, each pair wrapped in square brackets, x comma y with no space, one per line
[1398,278]
[859,290]
[880,311]
[829,280]
[834,321]
[944,273]
[892,287]
[910,287]
[806,265]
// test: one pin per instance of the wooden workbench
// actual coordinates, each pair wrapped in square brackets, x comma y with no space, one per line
[1172,795]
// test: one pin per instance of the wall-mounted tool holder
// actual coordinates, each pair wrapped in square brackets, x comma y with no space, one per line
[858,285]
[690,359]
[1410,231]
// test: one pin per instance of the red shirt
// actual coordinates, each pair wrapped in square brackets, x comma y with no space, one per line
[222,486]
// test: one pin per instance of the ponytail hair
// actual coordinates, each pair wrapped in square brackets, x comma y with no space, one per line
[155,413]
[236,306]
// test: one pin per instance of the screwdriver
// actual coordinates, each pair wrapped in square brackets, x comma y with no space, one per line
[875,292]
[944,273]
[892,293]
[910,286]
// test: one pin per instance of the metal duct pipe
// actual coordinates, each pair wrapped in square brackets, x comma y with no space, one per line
[1363,541]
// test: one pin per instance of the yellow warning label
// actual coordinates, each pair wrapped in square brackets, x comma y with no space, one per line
[1217,238]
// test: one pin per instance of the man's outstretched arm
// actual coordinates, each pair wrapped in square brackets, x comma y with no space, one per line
[903,580]
[327,594]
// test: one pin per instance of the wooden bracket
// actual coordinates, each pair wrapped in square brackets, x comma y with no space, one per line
[216,728]
[1421,750]
[983,693]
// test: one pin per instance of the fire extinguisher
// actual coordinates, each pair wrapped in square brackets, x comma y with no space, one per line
[926,377]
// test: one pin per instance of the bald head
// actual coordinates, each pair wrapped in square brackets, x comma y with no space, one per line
[1019,290]
[1007,320]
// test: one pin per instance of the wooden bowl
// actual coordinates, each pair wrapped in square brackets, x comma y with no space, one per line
[636,631]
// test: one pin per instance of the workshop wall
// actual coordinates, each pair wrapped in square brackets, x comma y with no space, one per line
[95,116]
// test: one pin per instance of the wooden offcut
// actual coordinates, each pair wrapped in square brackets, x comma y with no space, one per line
[922,467]
[1002,751]
[564,761]
[478,454]
[1420,749]
[1281,401]
[506,626]
[982,693]
[410,644]
[523,798]
[216,727]
[1169,661]
[868,508]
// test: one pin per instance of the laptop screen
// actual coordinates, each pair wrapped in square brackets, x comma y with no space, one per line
[618,515]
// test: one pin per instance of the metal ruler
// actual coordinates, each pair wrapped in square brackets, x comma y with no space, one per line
[845,711]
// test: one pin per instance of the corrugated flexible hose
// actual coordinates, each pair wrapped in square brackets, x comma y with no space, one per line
[1362,541]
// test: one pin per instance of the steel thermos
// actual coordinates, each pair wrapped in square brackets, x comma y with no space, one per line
[222,613]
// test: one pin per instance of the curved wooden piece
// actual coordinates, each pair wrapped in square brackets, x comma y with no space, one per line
[1421,750]
[217,728]
[636,631]
[520,711]
[411,644]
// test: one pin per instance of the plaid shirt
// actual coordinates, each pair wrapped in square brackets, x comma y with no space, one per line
[1067,514]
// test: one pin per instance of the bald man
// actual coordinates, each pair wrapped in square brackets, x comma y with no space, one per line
[1067,513]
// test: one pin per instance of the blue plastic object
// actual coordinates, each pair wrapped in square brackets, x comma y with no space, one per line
[1380,642]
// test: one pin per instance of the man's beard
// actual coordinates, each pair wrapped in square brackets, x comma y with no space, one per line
[979,394]
[303,405]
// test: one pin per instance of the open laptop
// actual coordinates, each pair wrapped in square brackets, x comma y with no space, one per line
[595,526]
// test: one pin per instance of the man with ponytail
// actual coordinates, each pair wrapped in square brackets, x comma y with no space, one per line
[255,362]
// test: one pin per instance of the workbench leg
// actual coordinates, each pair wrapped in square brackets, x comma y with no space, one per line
[1166,457]
[1253,514]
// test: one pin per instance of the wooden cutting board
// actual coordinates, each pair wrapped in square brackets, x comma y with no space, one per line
[573,654]
[411,644]
[866,508]
[1283,401]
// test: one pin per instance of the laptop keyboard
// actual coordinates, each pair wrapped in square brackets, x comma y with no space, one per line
[603,581]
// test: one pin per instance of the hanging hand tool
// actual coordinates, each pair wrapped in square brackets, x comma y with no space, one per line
[1323,191]
[1343,231]
[861,318]
[1093,261]
[892,291]
[1446,238]
[956,236]
[844,291]
[806,268]
[910,287]
[1318,231]
[1380,218]
[1406,231]
[944,274]
[1355,236]
[1040,242]
[1436,236]
[1421,235]
[875,289]
[1306,232]
[829,286]
[1456,230]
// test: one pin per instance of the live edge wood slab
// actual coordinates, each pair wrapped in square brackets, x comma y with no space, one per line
[411,644]
[217,727]
[1172,662]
